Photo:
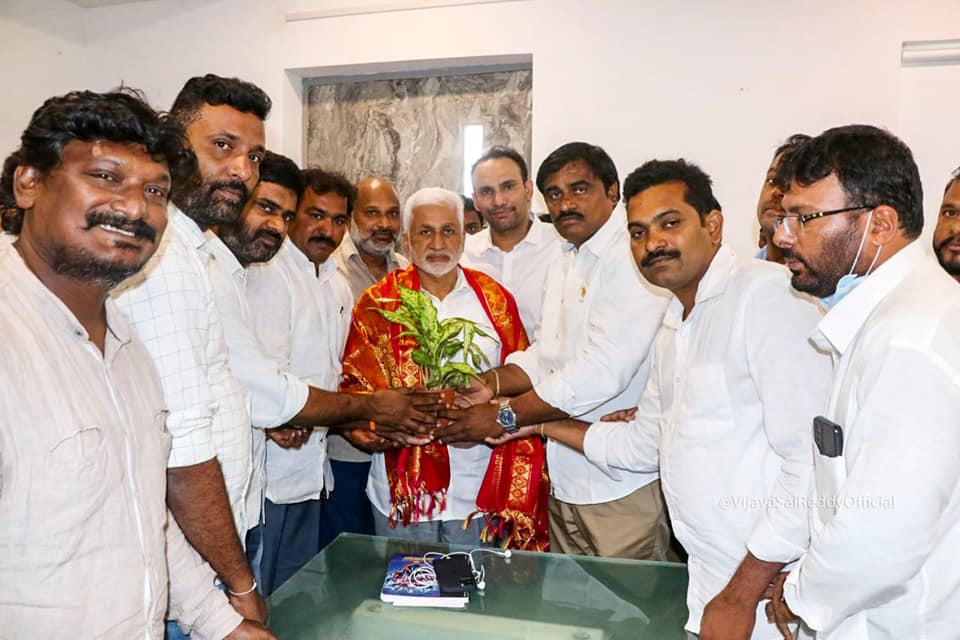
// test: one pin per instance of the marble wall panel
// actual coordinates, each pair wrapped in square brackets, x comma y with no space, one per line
[410,130]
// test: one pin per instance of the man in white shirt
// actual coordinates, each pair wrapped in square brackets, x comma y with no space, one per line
[368,253]
[188,307]
[589,358]
[365,256]
[518,251]
[301,310]
[946,237]
[88,546]
[278,397]
[429,492]
[172,307]
[885,503]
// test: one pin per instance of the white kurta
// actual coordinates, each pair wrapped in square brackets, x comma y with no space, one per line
[725,416]
[883,561]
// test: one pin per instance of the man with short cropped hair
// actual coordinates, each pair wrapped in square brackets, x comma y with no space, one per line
[301,307]
[518,250]
[589,358]
[365,256]
[188,307]
[885,504]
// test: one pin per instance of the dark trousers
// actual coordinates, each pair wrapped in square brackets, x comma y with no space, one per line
[347,509]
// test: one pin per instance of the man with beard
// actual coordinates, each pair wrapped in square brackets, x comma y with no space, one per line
[432,491]
[87,543]
[768,207]
[946,237]
[301,307]
[368,253]
[173,306]
[365,256]
[885,499]
[589,358]
[518,251]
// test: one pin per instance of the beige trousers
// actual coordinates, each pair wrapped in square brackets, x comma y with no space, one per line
[634,526]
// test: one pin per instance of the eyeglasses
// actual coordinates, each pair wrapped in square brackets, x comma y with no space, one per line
[793,225]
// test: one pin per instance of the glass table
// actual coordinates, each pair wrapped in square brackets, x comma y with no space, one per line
[530,596]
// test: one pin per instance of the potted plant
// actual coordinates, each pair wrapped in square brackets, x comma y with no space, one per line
[439,341]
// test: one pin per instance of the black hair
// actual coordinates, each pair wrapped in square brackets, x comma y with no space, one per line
[500,151]
[593,156]
[321,182]
[791,143]
[120,116]
[468,204]
[215,90]
[699,187]
[874,167]
[953,178]
[283,171]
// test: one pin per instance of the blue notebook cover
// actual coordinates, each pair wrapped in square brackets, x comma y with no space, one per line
[402,590]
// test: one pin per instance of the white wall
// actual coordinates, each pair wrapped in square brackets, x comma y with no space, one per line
[42,53]
[721,83]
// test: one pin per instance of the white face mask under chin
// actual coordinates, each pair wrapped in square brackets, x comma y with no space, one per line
[851,281]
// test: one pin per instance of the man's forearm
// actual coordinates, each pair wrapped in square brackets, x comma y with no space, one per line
[197,497]
[331,409]
[752,577]
[513,381]
[530,409]
[569,432]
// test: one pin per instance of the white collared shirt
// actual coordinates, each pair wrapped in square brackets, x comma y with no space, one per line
[590,355]
[883,561]
[302,319]
[276,396]
[172,307]
[467,466]
[85,542]
[359,278]
[725,416]
[522,270]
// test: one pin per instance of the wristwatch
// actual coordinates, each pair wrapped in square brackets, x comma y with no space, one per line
[507,417]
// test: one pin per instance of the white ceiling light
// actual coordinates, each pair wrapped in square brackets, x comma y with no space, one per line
[925,53]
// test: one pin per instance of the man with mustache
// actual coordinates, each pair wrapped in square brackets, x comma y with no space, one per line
[175,307]
[733,456]
[589,358]
[88,546]
[301,307]
[518,251]
[431,492]
[768,207]
[946,237]
[885,498]
[368,252]
[365,256]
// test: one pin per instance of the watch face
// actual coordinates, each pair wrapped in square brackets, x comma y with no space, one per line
[506,418]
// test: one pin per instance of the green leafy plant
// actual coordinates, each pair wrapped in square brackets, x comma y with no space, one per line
[438,341]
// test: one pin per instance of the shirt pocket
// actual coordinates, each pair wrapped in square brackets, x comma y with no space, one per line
[74,481]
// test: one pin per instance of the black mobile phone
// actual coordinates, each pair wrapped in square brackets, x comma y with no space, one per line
[829,437]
